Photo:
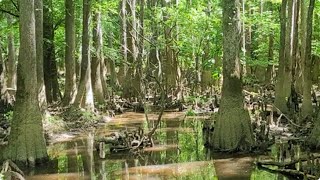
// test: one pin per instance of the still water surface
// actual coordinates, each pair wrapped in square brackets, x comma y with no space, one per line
[178,154]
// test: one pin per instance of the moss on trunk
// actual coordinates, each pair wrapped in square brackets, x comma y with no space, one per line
[233,130]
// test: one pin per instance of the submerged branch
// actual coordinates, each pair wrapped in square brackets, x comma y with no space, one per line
[162,108]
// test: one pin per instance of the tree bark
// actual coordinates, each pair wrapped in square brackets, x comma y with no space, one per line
[84,96]
[97,58]
[11,68]
[307,108]
[70,50]
[280,99]
[39,52]
[233,128]
[26,142]
[269,72]
[2,75]
[170,63]
[123,66]
[50,67]
[131,86]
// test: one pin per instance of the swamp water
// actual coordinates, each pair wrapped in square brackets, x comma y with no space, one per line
[178,154]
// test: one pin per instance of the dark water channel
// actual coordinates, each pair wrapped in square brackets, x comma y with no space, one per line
[178,154]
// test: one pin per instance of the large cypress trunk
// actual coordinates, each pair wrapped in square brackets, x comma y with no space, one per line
[26,141]
[233,128]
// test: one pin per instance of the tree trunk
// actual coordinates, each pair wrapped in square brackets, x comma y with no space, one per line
[50,67]
[268,77]
[39,52]
[233,128]
[170,63]
[307,108]
[11,68]
[2,75]
[295,40]
[85,95]
[123,66]
[97,58]
[26,142]
[139,71]
[70,48]
[131,86]
[112,67]
[280,99]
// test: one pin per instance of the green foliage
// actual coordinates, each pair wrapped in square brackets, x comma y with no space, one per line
[8,116]
[190,112]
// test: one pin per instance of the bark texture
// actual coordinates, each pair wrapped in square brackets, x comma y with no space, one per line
[11,67]
[26,141]
[70,64]
[97,59]
[84,96]
[39,53]
[49,64]
[233,127]
[281,94]
[307,108]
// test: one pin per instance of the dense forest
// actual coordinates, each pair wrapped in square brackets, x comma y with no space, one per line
[250,68]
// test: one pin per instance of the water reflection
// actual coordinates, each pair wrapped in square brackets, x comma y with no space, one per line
[178,154]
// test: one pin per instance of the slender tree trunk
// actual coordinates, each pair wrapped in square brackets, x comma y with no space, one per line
[233,128]
[39,52]
[50,67]
[169,64]
[140,51]
[70,50]
[11,69]
[123,66]
[26,141]
[307,108]
[2,75]
[112,67]
[295,40]
[269,72]
[280,99]
[97,58]
[243,48]
[131,88]
[85,95]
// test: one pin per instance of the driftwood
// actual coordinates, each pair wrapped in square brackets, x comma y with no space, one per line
[286,164]
[10,169]
[123,141]
[290,172]
[308,171]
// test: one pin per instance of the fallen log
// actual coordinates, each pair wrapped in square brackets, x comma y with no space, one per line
[290,172]
[289,163]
